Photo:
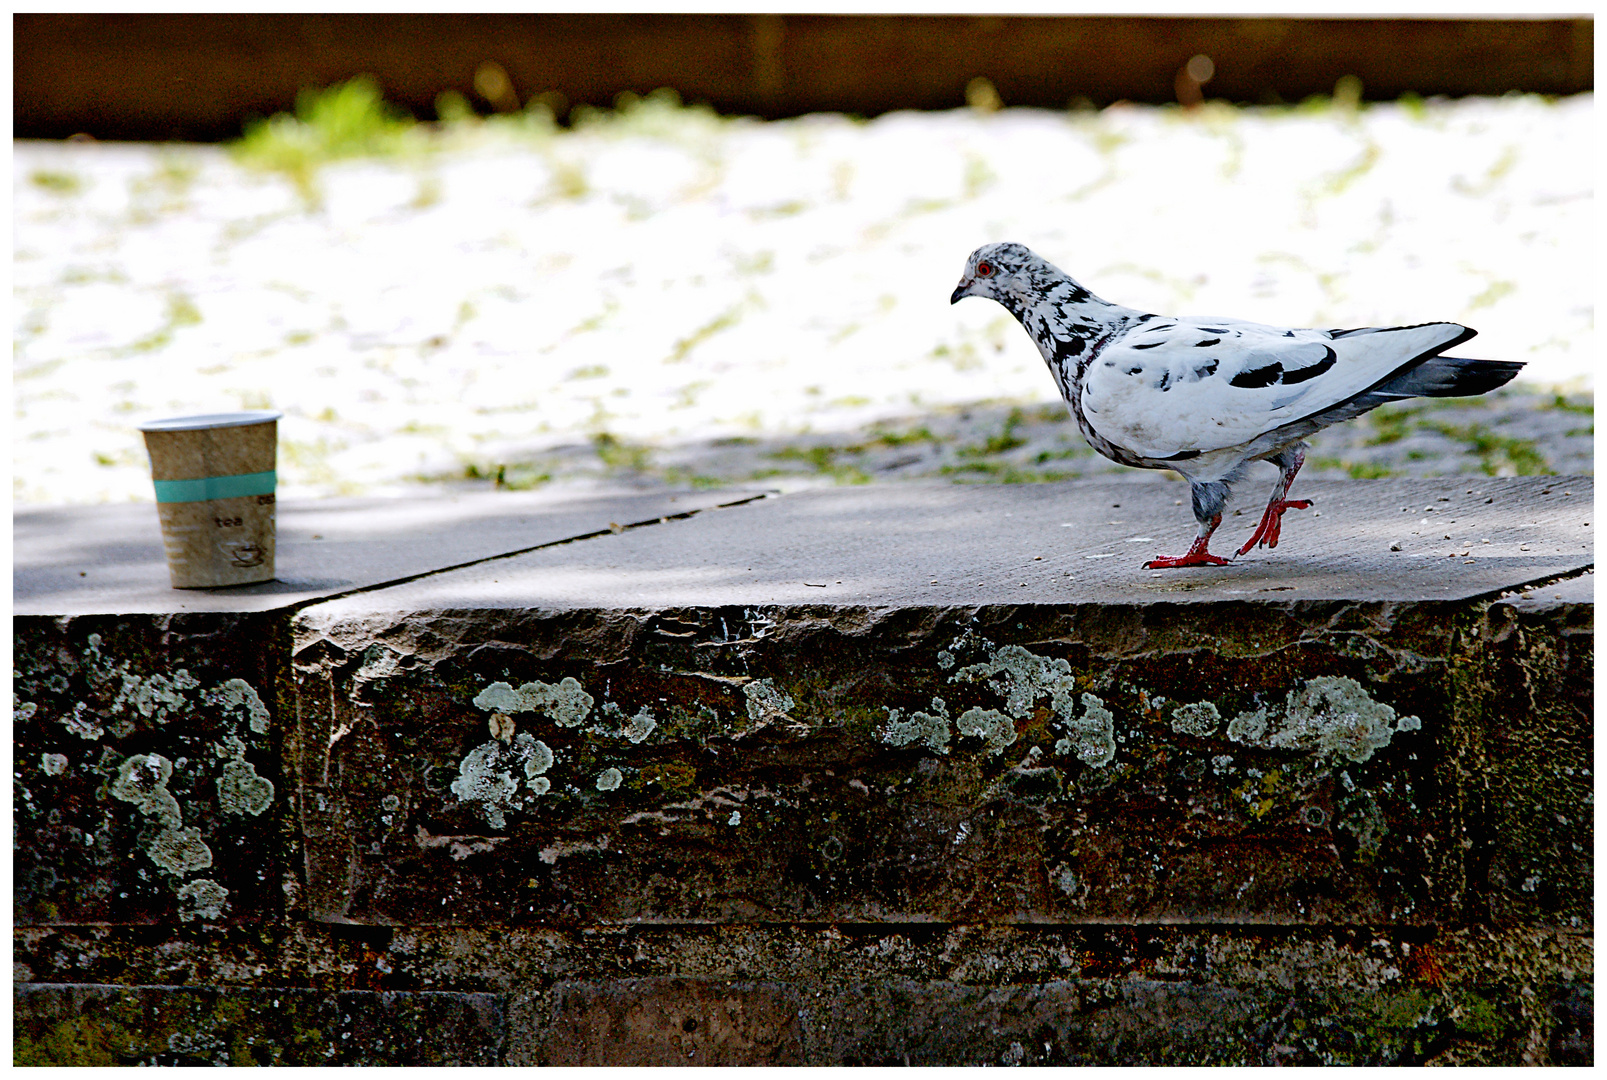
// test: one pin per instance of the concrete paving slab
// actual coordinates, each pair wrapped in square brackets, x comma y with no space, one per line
[1072,543]
[108,559]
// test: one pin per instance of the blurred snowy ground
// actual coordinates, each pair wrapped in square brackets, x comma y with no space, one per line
[663,296]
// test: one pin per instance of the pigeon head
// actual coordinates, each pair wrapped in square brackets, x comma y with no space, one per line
[1008,273]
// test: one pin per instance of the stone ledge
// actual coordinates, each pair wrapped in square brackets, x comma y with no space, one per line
[1285,763]
[1401,759]
[880,757]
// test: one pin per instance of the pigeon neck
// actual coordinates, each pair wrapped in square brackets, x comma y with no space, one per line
[1073,305]
[1047,290]
[1070,326]
[1068,323]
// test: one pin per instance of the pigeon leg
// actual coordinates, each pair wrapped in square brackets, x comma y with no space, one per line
[1197,555]
[1266,534]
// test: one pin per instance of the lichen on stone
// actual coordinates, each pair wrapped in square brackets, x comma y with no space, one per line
[640,726]
[1329,716]
[142,780]
[180,851]
[540,761]
[1248,727]
[156,697]
[1018,675]
[766,702]
[23,712]
[1091,737]
[609,779]
[484,777]
[1199,719]
[931,729]
[237,696]
[230,746]
[82,723]
[53,764]
[202,1045]
[1022,677]
[490,776]
[619,726]
[201,899]
[99,664]
[994,728]
[241,790]
[566,703]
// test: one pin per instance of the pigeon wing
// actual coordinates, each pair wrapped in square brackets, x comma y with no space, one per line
[1193,386]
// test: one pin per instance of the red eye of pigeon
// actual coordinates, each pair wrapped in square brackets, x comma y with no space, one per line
[984,269]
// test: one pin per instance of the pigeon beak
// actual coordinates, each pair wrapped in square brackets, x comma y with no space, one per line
[962,289]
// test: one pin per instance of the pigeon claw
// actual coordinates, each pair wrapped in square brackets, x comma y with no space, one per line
[1165,562]
[1266,534]
[1197,556]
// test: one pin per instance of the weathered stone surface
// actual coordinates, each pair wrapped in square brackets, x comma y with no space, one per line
[171,1025]
[147,782]
[1528,755]
[1572,1038]
[1263,762]
[1470,996]
[657,1022]
[1143,1022]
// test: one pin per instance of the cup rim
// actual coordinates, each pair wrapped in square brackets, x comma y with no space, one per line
[205,421]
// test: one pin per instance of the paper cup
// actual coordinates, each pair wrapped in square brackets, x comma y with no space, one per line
[215,479]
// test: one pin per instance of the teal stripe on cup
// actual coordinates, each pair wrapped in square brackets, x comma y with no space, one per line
[215,487]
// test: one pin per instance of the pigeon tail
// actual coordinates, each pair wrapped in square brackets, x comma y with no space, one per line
[1450,376]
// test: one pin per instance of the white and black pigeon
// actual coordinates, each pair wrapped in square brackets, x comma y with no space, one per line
[1207,396]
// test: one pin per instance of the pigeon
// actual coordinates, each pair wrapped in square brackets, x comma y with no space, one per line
[1206,396]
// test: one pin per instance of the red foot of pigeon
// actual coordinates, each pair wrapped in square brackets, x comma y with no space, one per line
[1197,556]
[1271,522]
